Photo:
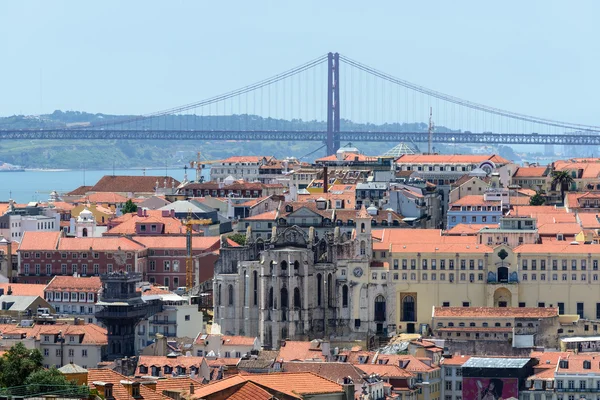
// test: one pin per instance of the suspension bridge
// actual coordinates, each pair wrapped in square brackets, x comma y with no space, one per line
[330,99]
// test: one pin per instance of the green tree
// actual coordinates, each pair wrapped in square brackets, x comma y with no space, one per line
[239,238]
[130,207]
[562,179]
[537,200]
[47,380]
[17,364]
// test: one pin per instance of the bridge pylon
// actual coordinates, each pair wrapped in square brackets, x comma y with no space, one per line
[333,103]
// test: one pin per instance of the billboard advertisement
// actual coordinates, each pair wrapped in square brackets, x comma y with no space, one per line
[490,388]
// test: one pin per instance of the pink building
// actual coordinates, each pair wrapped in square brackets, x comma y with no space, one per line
[161,259]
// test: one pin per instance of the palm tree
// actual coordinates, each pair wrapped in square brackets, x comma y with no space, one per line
[564,179]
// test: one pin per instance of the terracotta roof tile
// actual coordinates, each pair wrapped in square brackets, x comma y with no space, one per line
[455,360]
[531,172]
[589,220]
[301,351]
[39,241]
[80,191]
[179,383]
[567,229]
[495,312]
[498,329]
[238,340]
[246,159]
[24,289]
[170,225]
[334,371]
[468,229]
[120,392]
[575,364]
[98,244]
[74,284]
[92,334]
[160,361]
[250,391]
[204,243]
[548,358]
[266,216]
[132,184]
[473,200]
[102,197]
[385,370]
[409,362]
[553,246]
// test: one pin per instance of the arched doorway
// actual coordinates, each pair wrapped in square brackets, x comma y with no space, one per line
[502,298]
[84,233]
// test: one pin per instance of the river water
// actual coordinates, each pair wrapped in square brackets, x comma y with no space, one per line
[36,185]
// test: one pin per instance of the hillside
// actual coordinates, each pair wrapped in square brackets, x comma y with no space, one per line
[151,153]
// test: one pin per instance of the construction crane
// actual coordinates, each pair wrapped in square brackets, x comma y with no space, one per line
[198,164]
[189,261]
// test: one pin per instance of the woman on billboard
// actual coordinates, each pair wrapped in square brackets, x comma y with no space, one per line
[492,392]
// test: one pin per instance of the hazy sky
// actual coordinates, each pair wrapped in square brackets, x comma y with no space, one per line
[535,57]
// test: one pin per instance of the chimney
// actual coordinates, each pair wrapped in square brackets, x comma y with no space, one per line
[325,179]
[140,212]
[172,213]
[191,388]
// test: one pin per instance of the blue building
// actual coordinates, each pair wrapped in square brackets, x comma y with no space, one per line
[474,209]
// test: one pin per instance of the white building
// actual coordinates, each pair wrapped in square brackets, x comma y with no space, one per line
[74,296]
[238,167]
[224,345]
[178,319]
[83,345]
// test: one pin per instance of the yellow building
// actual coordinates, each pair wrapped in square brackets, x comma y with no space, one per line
[513,269]
[101,213]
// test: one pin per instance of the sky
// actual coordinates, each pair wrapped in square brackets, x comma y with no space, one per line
[135,57]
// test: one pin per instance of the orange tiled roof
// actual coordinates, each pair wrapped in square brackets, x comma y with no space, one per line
[474,200]
[237,340]
[266,216]
[590,168]
[24,289]
[495,312]
[455,360]
[92,334]
[80,191]
[102,197]
[564,247]
[548,358]
[296,384]
[98,244]
[411,363]
[160,361]
[567,229]
[132,184]
[544,373]
[246,159]
[347,157]
[205,243]
[39,241]
[250,391]
[468,229]
[74,284]
[449,159]
[301,351]
[385,370]
[575,364]
[252,202]
[363,213]
[589,220]
[171,225]
[531,172]
[179,383]
[60,206]
[120,392]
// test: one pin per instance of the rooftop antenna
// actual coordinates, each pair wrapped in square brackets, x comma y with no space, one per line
[431,127]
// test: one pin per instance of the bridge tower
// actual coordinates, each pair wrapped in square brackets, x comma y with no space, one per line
[333,103]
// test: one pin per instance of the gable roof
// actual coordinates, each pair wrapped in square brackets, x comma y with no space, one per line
[132,184]
[450,159]
[74,284]
[301,351]
[102,197]
[495,312]
[39,241]
[120,392]
[24,289]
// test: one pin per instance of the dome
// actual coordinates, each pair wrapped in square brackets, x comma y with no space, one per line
[85,215]
[372,210]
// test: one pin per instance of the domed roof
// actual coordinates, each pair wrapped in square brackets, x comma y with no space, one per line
[372,210]
[85,215]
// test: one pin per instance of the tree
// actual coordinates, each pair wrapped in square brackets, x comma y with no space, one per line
[18,363]
[129,207]
[47,380]
[537,200]
[239,238]
[562,179]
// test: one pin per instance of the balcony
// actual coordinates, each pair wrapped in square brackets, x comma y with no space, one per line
[163,322]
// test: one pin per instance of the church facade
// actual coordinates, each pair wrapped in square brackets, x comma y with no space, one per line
[300,286]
